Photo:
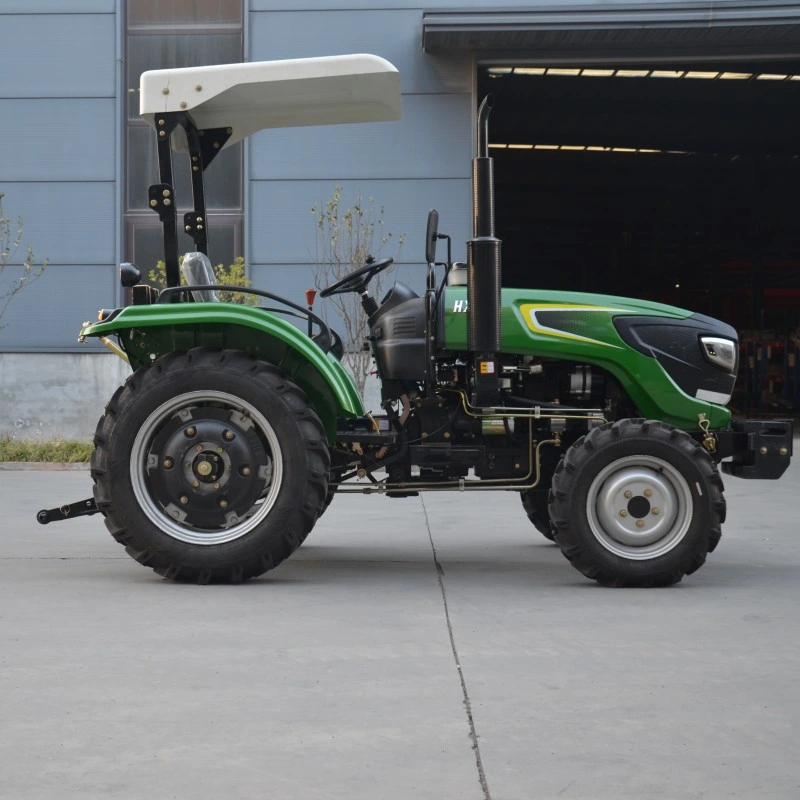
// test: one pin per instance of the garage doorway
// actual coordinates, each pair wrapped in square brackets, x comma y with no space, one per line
[672,183]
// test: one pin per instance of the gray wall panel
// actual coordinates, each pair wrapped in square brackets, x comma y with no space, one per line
[83,151]
[58,55]
[432,139]
[394,35]
[489,5]
[57,7]
[55,306]
[282,229]
[65,223]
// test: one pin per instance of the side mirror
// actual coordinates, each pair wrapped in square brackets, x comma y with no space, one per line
[431,236]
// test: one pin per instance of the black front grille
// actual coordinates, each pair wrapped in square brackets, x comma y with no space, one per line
[675,344]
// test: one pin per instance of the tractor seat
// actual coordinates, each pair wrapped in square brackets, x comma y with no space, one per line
[337,347]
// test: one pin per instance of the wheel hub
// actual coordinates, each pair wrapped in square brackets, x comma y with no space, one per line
[208,467]
[639,507]
[223,467]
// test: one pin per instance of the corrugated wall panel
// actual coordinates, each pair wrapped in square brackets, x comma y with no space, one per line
[409,166]
[393,34]
[484,5]
[58,140]
[66,223]
[54,308]
[282,230]
[57,7]
[425,143]
[57,55]
[59,163]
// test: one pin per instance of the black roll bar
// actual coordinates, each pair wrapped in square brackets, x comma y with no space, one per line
[203,147]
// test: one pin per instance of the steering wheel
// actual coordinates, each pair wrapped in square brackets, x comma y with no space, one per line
[357,281]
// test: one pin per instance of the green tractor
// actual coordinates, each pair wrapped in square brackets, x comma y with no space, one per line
[236,430]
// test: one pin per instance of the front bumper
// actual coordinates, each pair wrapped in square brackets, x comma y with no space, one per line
[757,448]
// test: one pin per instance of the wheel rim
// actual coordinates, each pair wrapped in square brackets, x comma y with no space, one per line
[206,467]
[639,507]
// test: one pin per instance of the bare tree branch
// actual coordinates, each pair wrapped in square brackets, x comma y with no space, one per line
[345,237]
[14,277]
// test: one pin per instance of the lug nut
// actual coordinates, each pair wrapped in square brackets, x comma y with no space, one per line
[168,462]
[195,484]
[219,450]
[184,499]
[190,432]
[246,471]
[655,510]
[216,486]
[628,494]
[228,436]
[199,448]
[623,513]
[223,503]
[640,523]
[648,492]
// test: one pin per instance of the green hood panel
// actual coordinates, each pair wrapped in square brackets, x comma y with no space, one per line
[154,330]
[575,326]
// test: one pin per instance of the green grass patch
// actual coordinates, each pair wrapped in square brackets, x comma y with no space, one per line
[62,451]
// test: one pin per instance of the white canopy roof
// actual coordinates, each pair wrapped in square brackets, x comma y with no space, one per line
[274,94]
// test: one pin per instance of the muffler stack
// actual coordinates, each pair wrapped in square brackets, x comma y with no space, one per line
[484,271]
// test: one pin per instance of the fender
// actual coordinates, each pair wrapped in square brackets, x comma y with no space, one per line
[147,332]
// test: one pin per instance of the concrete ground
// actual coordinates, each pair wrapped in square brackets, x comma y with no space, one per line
[366,665]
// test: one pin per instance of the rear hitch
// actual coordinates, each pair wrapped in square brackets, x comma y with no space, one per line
[83,508]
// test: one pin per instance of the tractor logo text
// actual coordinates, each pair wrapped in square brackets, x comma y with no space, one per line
[460,305]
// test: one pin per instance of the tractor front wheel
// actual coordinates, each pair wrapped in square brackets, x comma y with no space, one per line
[210,466]
[637,503]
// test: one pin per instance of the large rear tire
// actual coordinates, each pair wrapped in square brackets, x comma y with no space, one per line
[210,466]
[637,503]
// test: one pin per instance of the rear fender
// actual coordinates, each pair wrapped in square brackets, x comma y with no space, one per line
[147,332]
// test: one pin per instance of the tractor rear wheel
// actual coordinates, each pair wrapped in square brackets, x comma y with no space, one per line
[210,466]
[637,503]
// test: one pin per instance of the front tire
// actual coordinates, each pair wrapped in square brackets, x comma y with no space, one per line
[210,466]
[637,503]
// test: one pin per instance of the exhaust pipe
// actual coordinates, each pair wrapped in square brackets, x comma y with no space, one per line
[484,271]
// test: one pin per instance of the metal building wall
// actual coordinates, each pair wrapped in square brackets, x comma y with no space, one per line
[409,166]
[58,162]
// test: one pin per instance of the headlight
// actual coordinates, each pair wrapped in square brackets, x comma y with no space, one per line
[719,352]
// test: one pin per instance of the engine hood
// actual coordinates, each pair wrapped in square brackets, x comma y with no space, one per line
[589,328]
